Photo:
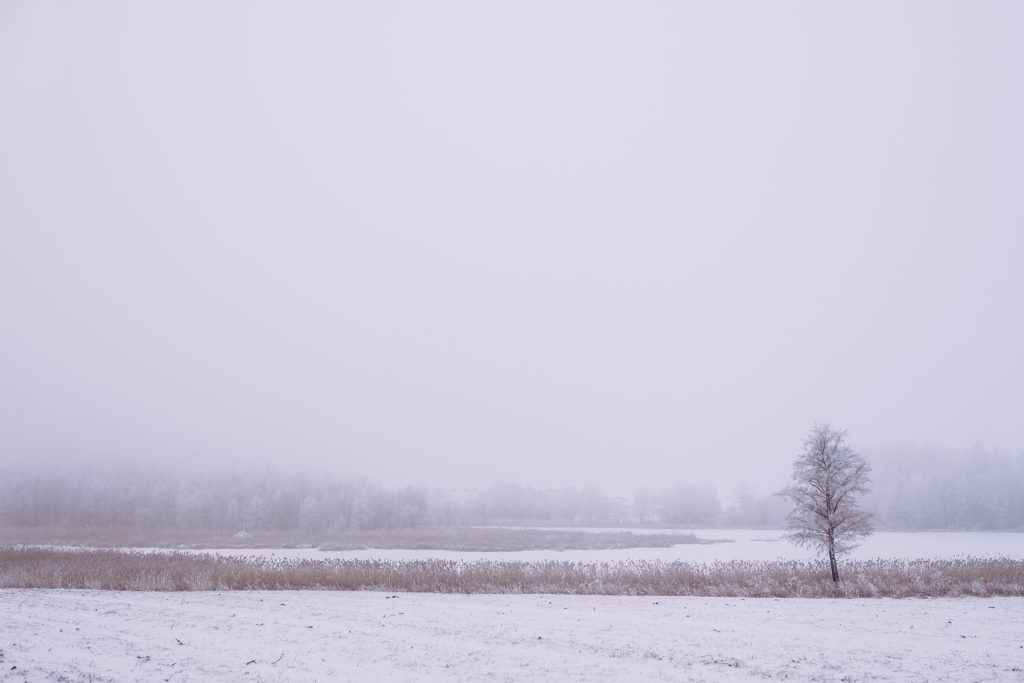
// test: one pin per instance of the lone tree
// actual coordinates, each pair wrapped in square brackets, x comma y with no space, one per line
[828,476]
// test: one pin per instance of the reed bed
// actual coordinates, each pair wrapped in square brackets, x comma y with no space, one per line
[463,539]
[498,539]
[27,567]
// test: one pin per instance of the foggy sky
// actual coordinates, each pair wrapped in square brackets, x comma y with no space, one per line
[551,242]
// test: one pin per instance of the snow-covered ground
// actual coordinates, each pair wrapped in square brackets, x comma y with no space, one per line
[316,636]
[742,544]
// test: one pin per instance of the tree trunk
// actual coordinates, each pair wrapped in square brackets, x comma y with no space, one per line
[832,562]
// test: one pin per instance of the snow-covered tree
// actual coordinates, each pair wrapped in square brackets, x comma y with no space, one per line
[828,478]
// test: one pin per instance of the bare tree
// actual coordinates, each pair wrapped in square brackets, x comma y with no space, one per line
[828,477]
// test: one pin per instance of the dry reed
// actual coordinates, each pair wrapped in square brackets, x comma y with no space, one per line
[27,567]
[464,539]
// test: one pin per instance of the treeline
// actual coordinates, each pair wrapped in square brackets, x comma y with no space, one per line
[227,501]
[912,489]
[271,501]
[924,488]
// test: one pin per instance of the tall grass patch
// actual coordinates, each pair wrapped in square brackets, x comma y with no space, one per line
[27,567]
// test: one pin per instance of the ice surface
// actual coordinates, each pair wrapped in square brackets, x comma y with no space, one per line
[324,636]
[744,544]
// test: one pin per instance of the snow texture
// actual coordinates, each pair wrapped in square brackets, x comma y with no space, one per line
[316,636]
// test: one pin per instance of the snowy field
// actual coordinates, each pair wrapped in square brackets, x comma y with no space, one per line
[752,545]
[69,635]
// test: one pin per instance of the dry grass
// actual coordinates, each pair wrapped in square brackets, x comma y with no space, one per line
[119,570]
[465,539]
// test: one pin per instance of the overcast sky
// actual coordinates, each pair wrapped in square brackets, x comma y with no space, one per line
[553,242]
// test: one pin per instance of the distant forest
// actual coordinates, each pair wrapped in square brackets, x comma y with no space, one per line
[912,489]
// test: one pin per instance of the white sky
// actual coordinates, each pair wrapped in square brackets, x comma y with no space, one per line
[554,242]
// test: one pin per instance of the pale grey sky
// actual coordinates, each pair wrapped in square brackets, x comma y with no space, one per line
[554,242]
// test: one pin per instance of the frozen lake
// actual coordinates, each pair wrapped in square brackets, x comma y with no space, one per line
[737,544]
